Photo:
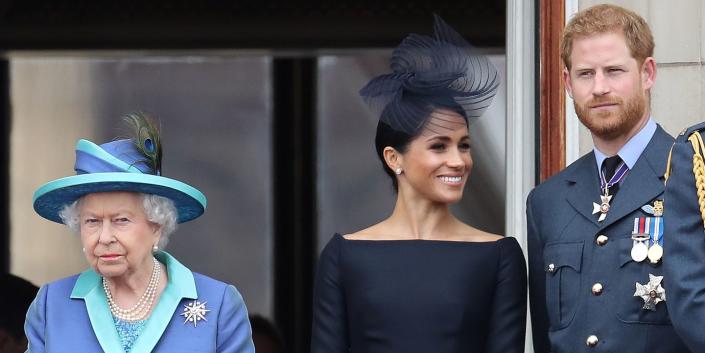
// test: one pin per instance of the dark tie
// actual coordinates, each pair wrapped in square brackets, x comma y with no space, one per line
[609,166]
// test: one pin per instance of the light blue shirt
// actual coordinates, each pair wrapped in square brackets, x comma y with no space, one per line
[631,151]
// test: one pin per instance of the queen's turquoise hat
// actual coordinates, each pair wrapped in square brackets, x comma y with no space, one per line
[122,165]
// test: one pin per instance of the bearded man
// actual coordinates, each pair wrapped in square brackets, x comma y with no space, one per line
[595,229]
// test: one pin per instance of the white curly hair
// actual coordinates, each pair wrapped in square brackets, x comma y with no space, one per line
[158,209]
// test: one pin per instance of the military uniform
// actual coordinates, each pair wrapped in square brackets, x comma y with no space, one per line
[582,275]
[684,246]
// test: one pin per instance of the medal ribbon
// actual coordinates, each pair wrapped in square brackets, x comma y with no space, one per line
[621,172]
[657,236]
[636,225]
[640,227]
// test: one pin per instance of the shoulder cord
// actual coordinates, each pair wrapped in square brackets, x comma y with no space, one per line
[668,166]
[699,170]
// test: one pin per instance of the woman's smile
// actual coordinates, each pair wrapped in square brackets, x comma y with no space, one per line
[451,180]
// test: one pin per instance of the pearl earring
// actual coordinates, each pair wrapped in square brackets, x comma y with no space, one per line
[397,171]
[84,250]
[155,248]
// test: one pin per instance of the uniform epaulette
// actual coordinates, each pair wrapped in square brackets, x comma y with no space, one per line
[685,133]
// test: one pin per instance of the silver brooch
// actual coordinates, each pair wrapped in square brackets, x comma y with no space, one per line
[195,312]
[652,293]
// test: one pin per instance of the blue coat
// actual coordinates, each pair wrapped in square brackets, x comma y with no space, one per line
[684,246]
[72,315]
[566,261]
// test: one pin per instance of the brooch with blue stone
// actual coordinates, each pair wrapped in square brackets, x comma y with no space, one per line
[194,312]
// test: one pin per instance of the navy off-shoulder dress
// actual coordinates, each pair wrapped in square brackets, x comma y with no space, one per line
[425,296]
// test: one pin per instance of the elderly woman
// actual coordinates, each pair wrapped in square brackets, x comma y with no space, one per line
[134,297]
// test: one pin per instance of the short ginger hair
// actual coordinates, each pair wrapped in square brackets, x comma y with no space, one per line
[603,19]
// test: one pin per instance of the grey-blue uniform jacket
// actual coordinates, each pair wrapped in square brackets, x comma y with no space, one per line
[684,246]
[567,304]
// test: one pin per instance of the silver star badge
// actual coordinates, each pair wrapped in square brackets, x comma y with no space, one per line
[194,312]
[652,293]
[602,208]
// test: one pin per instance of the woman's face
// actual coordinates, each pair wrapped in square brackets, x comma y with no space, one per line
[437,163]
[116,234]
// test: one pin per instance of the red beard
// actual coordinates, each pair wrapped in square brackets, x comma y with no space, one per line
[610,124]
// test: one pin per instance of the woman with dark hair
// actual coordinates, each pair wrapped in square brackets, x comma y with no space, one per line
[421,280]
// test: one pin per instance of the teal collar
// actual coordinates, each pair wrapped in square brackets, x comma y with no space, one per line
[89,288]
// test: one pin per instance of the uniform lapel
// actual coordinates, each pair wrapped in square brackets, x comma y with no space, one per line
[584,187]
[645,180]
[89,288]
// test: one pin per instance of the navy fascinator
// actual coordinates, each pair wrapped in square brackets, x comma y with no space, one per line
[443,71]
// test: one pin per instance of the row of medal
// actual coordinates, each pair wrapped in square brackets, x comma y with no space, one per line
[647,239]
[648,243]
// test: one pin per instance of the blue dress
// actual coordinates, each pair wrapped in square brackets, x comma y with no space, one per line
[129,332]
[408,296]
[72,315]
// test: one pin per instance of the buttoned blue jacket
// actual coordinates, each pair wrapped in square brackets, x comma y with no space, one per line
[72,315]
[562,232]
[684,249]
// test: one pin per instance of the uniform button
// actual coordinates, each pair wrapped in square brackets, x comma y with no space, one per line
[602,240]
[591,341]
[597,289]
[551,268]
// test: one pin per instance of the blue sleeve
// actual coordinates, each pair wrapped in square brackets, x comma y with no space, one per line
[684,250]
[35,323]
[234,331]
[508,323]
[329,331]
[537,283]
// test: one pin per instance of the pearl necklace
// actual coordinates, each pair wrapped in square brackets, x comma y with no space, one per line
[140,310]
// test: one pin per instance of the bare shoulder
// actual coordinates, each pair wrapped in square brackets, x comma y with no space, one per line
[370,233]
[468,233]
[485,236]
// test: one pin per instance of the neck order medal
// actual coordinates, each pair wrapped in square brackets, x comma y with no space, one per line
[605,185]
[603,207]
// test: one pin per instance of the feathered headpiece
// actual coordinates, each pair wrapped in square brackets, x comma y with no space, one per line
[146,140]
[132,164]
[432,72]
